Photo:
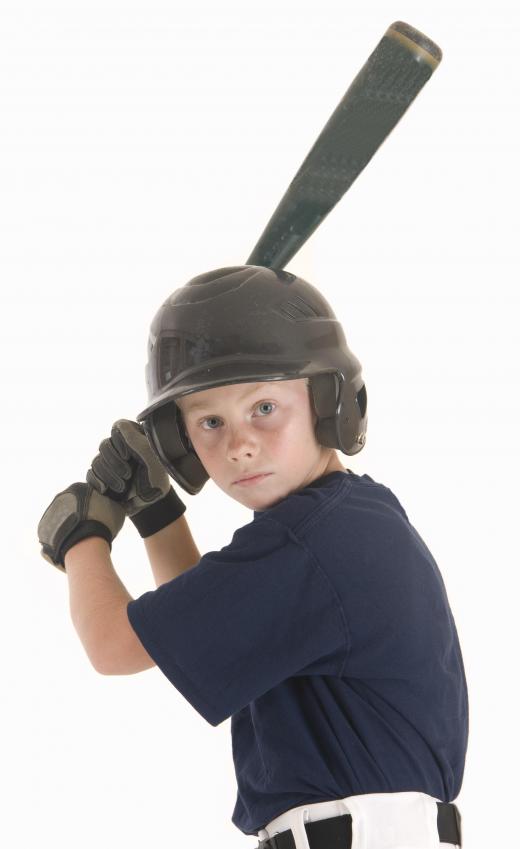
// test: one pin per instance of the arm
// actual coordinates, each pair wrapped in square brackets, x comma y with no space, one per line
[127,470]
[171,551]
[98,601]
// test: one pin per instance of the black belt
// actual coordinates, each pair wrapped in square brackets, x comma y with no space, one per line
[336,832]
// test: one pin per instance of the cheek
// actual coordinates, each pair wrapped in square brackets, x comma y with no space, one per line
[209,449]
[293,434]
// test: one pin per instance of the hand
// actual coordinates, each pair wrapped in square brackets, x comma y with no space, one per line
[128,471]
[75,514]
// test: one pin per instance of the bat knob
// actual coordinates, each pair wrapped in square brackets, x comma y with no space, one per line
[419,44]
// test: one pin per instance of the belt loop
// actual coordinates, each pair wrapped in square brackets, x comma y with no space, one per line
[295,820]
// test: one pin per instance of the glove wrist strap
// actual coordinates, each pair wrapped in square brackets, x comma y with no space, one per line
[159,514]
[88,528]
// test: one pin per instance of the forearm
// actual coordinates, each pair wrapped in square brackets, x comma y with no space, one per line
[171,551]
[97,597]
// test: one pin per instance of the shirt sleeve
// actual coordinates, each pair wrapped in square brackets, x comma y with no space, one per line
[243,620]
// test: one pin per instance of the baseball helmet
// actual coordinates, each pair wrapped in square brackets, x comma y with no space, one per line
[248,324]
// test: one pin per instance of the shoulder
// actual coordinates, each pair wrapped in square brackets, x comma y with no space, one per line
[307,504]
[339,508]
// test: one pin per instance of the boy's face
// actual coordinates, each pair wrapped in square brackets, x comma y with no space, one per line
[257,428]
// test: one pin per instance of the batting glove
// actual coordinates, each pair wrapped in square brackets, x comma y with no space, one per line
[75,514]
[128,471]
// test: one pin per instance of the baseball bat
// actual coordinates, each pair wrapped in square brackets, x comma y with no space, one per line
[380,94]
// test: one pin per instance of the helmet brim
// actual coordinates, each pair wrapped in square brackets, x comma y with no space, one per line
[226,373]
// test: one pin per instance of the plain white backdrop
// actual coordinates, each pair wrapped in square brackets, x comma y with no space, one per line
[142,143]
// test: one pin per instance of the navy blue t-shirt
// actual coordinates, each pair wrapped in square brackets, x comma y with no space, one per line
[324,631]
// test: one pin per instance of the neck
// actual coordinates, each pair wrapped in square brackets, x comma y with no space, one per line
[334,464]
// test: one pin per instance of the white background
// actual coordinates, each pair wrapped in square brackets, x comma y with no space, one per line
[142,143]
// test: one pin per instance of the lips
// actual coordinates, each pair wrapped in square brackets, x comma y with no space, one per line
[250,477]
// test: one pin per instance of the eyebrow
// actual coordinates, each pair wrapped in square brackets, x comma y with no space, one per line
[205,405]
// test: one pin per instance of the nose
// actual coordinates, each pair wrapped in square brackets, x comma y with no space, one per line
[242,443]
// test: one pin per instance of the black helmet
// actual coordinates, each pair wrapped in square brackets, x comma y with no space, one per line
[248,324]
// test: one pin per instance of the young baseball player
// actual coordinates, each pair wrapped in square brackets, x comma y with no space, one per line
[323,629]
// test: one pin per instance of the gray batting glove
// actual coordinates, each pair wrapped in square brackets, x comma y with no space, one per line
[75,514]
[128,471]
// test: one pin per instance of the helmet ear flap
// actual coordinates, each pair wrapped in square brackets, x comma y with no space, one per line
[324,390]
[341,419]
[183,431]
[167,434]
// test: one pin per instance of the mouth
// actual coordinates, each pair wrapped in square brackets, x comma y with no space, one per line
[249,480]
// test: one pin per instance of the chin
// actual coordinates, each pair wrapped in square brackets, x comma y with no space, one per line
[253,503]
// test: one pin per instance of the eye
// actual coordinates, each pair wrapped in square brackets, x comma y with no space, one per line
[209,419]
[265,404]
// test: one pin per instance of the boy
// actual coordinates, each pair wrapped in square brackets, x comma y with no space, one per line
[323,630]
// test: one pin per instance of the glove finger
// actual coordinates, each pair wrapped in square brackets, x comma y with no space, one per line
[144,487]
[118,439]
[96,483]
[150,480]
[134,438]
[113,483]
[119,467]
[154,473]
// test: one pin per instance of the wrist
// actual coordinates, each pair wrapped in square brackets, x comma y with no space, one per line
[86,549]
